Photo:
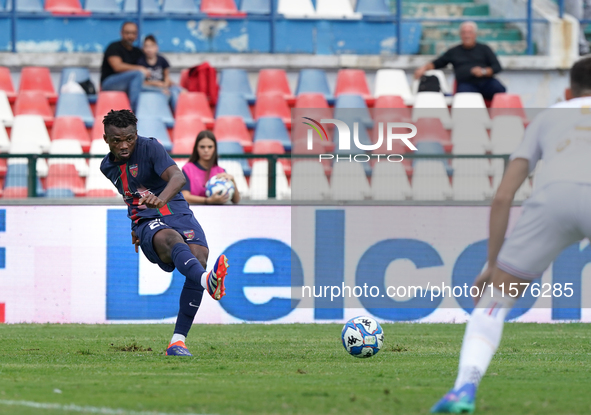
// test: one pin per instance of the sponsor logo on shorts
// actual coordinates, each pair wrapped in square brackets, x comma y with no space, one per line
[190,234]
[133,170]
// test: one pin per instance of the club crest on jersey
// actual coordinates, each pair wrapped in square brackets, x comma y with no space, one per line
[133,170]
[189,234]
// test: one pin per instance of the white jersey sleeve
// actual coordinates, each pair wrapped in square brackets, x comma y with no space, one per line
[530,148]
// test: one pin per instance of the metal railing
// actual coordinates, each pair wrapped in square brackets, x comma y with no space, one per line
[274,17]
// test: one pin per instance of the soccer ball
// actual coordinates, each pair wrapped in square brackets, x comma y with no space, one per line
[219,186]
[362,337]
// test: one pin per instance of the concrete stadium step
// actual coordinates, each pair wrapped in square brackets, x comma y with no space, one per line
[451,34]
[444,9]
[502,48]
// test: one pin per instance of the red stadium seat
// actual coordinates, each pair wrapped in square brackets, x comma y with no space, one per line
[184,134]
[6,84]
[220,7]
[271,147]
[3,167]
[431,129]
[194,105]
[65,7]
[274,81]
[272,105]
[507,104]
[184,82]
[34,78]
[107,101]
[389,101]
[101,193]
[65,176]
[97,130]
[34,103]
[352,81]
[391,108]
[69,127]
[311,100]
[231,128]
[15,193]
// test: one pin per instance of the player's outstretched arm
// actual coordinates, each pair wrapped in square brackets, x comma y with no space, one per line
[176,180]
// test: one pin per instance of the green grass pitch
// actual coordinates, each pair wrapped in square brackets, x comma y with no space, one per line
[287,369]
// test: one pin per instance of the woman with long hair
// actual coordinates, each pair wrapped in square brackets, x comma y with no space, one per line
[202,165]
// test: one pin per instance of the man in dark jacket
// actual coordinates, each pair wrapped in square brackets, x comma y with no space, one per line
[474,64]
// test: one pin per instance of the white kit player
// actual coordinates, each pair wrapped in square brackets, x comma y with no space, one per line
[554,217]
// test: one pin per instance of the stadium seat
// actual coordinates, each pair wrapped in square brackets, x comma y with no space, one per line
[64,7]
[180,6]
[34,78]
[507,104]
[431,105]
[471,187]
[390,182]
[71,128]
[314,81]
[259,182]
[372,8]
[431,129]
[236,81]
[234,168]
[28,6]
[233,129]
[256,7]
[430,181]
[27,147]
[98,130]
[155,105]
[154,127]
[308,181]
[30,129]
[445,89]
[335,9]
[471,132]
[6,117]
[68,146]
[272,105]
[80,75]
[194,105]
[272,147]
[103,6]
[393,82]
[315,101]
[75,105]
[390,101]
[352,81]
[234,104]
[274,81]
[469,106]
[184,134]
[430,147]
[101,193]
[220,7]
[97,185]
[352,108]
[362,135]
[300,147]
[110,100]
[16,182]
[272,128]
[4,141]
[296,9]
[148,6]
[349,181]
[506,133]
[99,147]
[233,147]
[6,84]
[34,103]
[64,176]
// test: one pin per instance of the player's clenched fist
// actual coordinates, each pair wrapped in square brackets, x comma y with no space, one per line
[135,241]
[152,201]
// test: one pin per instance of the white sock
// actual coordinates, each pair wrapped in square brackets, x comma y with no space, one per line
[204,280]
[483,335]
[177,337]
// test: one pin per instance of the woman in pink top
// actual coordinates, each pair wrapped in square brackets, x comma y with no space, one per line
[203,165]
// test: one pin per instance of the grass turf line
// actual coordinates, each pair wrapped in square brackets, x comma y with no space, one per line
[288,369]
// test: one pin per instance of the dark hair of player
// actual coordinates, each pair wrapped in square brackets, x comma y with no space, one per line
[120,119]
[125,23]
[195,155]
[580,78]
[150,38]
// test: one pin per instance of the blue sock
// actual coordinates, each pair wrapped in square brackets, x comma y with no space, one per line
[190,300]
[186,263]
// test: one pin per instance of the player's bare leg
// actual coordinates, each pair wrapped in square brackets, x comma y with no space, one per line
[481,339]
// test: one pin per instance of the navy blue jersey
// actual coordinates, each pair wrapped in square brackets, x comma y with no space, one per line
[140,175]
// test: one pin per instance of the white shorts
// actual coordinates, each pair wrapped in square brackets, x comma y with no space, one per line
[554,218]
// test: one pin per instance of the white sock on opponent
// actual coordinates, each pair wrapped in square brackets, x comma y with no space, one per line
[483,335]
[177,337]
[204,280]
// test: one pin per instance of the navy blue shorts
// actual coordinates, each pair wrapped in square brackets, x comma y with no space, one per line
[186,225]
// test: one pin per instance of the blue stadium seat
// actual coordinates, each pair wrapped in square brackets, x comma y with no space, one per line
[234,147]
[234,104]
[256,6]
[17,175]
[155,105]
[154,127]
[236,81]
[180,6]
[29,6]
[77,105]
[372,8]
[352,108]
[314,80]
[148,6]
[103,6]
[57,193]
[272,128]
[81,75]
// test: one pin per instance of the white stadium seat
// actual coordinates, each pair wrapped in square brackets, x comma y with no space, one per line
[30,129]
[6,116]
[430,181]
[308,181]
[471,187]
[470,133]
[96,180]
[390,182]
[296,9]
[431,105]
[259,181]
[506,133]
[68,146]
[393,82]
[28,147]
[335,9]
[469,107]
[4,141]
[349,182]
[98,146]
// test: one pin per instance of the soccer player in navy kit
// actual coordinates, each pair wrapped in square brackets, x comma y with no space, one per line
[162,224]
